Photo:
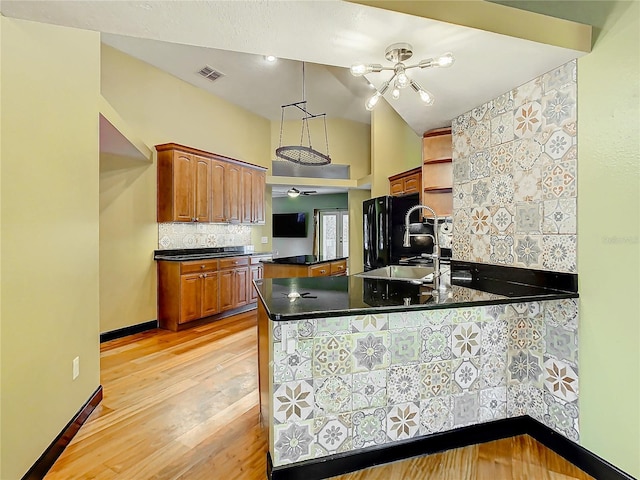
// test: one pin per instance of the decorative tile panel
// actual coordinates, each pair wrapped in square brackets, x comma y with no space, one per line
[370,351]
[333,394]
[369,389]
[293,442]
[202,235]
[403,384]
[331,356]
[332,435]
[293,401]
[526,178]
[403,421]
[369,427]
[435,415]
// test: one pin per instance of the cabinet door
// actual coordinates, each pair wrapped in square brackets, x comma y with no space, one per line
[259,182]
[226,290]
[412,184]
[233,193]
[218,172]
[256,274]
[210,298]
[246,202]
[203,189]
[190,286]
[396,187]
[242,286]
[183,187]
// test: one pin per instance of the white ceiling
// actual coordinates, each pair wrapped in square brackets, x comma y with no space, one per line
[181,37]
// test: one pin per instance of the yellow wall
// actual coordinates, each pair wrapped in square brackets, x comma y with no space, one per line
[349,142]
[160,109]
[49,233]
[395,147]
[608,246]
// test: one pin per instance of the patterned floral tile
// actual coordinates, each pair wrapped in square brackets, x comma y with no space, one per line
[495,334]
[493,404]
[295,366]
[527,120]
[480,248]
[560,216]
[501,158]
[480,164]
[466,374]
[480,192]
[494,369]
[466,315]
[403,384]
[502,249]
[293,401]
[528,92]
[293,442]
[503,103]
[461,169]
[331,356]
[480,135]
[461,143]
[559,253]
[559,145]
[306,328]
[526,152]
[562,313]
[560,379]
[523,367]
[433,318]
[333,326]
[405,346]
[370,323]
[526,333]
[559,77]
[461,247]
[332,435]
[559,180]
[370,389]
[492,312]
[435,379]
[561,416]
[370,351]
[559,106]
[198,235]
[524,399]
[502,189]
[561,344]
[461,221]
[466,409]
[528,251]
[480,221]
[401,320]
[435,415]
[466,340]
[436,343]
[333,395]
[462,195]
[502,220]
[528,218]
[527,185]
[369,427]
[502,128]
[480,113]
[403,421]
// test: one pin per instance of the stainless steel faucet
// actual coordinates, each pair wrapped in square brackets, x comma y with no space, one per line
[435,256]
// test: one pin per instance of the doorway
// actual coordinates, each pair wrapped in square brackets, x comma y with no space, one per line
[333,233]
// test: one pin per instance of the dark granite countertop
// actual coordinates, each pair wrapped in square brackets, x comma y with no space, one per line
[186,254]
[304,260]
[315,297]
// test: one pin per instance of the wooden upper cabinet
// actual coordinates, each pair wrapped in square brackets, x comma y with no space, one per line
[198,186]
[406,182]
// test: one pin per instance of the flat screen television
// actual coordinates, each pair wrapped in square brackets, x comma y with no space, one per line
[292,225]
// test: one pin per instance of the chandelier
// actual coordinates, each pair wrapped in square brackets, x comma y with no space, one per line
[399,53]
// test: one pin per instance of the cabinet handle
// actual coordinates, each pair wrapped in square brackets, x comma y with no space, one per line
[202,266]
[323,271]
[201,276]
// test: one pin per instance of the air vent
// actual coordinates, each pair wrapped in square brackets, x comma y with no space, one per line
[210,73]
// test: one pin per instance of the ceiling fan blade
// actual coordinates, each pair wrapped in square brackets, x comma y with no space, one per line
[309,192]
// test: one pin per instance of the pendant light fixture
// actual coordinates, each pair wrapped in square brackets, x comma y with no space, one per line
[303,154]
[399,53]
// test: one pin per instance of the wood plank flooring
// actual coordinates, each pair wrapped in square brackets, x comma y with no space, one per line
[184,405]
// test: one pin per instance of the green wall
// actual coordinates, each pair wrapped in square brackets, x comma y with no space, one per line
[608,226]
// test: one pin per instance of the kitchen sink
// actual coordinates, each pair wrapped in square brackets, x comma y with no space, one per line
[412,273]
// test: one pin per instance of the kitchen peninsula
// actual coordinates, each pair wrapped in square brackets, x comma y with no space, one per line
[305,266]
[350,364]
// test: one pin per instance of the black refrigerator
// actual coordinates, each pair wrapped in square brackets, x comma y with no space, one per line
[383,230]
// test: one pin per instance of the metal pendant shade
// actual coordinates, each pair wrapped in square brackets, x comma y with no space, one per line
[303,154]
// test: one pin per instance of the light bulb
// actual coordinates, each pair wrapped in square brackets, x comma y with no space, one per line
[402,80]
[293,192]
[395,93]
[445,60]
[371,103]
[358,70]
[270,58]
[426,97]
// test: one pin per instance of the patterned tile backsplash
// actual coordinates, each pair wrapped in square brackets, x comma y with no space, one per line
[359,381]
[514,176]
[199,235]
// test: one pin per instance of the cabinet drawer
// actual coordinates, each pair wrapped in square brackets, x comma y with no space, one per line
[322,270]
[198,266]
[339,267]
[257,259]
[233,262]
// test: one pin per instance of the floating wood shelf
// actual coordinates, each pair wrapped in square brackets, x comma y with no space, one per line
[443,189]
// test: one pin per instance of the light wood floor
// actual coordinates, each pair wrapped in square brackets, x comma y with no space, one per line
[185,406]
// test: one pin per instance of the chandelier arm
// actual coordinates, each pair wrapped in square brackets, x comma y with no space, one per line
[281,125]
[326,137]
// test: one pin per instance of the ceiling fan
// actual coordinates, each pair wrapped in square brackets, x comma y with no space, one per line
[293,192]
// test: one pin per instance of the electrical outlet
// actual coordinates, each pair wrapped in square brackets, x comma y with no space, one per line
[76,368]
[264,240]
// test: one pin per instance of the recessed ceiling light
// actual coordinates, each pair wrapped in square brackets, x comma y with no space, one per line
[270,58]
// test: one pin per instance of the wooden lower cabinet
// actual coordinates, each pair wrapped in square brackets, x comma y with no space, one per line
[325,269]
[190,291]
